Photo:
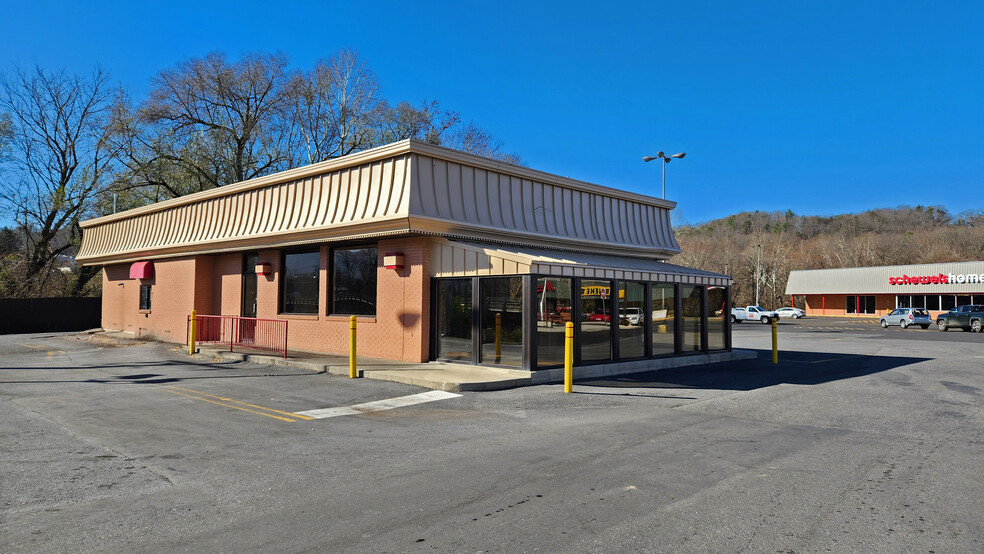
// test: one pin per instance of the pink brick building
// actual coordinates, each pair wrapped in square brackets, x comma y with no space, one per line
[441,255]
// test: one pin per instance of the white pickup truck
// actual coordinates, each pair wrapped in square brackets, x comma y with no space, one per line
[752,313]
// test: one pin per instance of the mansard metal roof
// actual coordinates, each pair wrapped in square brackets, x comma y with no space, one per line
[400,188]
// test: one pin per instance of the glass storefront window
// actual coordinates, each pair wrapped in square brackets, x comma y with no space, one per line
[299,282]
[454,319]
[866,304]
[596,327]
[353,281]
[716,303]
[553,311]
[662,316]
[692,316]
[631,320]
[502,320]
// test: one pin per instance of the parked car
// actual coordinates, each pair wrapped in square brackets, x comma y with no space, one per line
[794,313]
[967,317]
[631,316]
[905,317]
[752,313]
[600,316]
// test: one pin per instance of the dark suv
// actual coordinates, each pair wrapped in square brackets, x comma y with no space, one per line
[968,318]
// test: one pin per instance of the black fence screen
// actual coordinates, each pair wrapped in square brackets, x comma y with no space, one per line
[43,315]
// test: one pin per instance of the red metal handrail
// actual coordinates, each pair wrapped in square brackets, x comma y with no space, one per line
[245,332]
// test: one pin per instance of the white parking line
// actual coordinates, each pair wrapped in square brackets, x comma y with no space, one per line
[379,405]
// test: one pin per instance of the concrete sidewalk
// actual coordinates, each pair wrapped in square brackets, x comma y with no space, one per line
[463,377]
[445,376]
[433,375]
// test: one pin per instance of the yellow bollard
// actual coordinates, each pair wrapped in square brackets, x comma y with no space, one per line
[569,357]
[352,372]
[498,337]
[191,332]
[775,340]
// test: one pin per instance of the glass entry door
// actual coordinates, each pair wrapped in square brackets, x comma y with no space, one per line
[249,285]
[502,320]
[247,327]
[454,319]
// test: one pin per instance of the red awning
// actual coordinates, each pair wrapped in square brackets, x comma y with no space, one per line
[142,270]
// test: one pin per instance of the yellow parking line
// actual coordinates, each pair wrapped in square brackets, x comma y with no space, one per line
[229,403]
[238,402]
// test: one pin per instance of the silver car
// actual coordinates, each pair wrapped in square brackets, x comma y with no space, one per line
[794,313]
[905,317]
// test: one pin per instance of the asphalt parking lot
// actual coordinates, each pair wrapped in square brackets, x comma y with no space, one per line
[866,325]
[860,439]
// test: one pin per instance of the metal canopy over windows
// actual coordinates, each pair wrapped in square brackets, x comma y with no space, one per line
[451,258]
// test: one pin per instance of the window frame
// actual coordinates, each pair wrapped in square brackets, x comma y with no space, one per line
[282,281]
[331,280]
[140,302]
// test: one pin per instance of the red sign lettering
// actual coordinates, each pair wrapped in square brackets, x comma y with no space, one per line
[938,279]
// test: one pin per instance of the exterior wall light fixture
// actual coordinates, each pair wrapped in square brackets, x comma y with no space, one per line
[393,260]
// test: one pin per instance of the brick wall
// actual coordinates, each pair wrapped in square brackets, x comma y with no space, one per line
[172,296]
[836,304]
[213,285]
[228,284]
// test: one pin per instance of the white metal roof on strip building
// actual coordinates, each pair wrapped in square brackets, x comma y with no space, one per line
[968,277]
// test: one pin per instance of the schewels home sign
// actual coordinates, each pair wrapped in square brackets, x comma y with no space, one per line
[938,279]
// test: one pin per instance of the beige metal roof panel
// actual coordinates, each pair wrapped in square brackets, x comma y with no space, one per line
[876,280]
[406,186]
[328,206]
[455,199]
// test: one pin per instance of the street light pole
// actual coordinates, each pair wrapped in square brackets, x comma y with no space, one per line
[666,159]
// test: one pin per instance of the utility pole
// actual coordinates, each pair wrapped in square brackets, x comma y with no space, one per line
[758,272]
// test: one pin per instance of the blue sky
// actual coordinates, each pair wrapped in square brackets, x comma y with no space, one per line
[818,107]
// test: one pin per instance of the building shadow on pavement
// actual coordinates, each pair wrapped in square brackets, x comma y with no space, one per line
[796,368]
[193,370]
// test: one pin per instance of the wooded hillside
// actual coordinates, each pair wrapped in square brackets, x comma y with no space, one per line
[903,235]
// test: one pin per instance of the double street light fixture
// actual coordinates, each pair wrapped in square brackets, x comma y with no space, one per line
[666,159]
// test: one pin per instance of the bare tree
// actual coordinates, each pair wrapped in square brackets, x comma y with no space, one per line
[336,107]
[209,122]
[426,123]
[60,158]
[6,134]
[475,140]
